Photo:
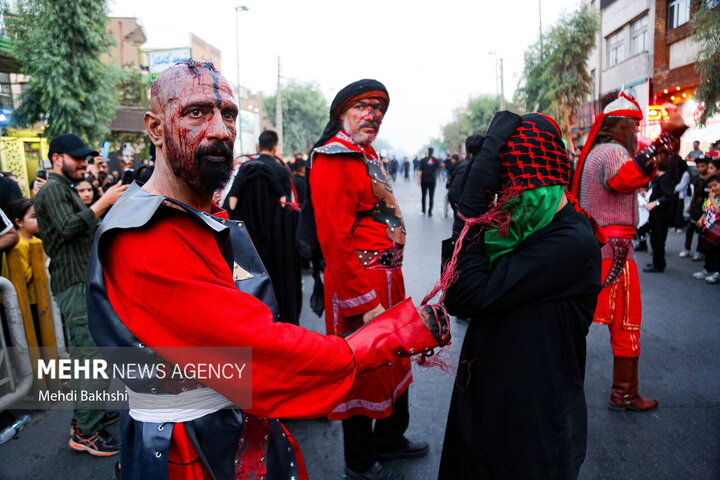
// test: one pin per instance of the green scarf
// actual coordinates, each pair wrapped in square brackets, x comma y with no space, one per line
[532,210]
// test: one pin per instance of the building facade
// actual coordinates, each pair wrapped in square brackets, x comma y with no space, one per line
[675,76]
[128,38]
[622,59]
[646,49]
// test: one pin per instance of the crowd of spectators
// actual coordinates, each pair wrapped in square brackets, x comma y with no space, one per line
[67,203]
[685,196]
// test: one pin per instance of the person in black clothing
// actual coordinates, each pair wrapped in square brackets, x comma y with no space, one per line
[427,177]
[472,146]
[8,235]
[298,156]
[259,197]
[455,184]
[299,180]
[660,206]
[695,209]
[450,170]
[446,168]
[518,407]
[393,167]
[682,191]
[9,192]
[267,148]
[406,168]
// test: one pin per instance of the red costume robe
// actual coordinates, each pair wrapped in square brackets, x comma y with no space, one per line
[350,190]
[608,192]
[184,295]
[178,290]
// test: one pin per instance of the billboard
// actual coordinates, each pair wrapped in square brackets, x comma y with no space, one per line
[159,60]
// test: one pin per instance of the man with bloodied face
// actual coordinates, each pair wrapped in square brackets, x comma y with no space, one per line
[185,282]
[361,234]
[195,115]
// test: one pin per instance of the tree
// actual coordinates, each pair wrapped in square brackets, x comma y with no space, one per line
[531,92]
[706,26]
[481,110]
[455,133]
[59,45]
[133,87]
[475,118]
[305,114]
[568,81]
[556,78]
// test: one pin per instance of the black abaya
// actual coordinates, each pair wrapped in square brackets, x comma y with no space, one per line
[518,407]
[272,229]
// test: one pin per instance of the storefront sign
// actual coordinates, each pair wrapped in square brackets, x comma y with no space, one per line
[159,60]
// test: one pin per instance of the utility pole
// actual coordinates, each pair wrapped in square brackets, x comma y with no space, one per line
[238,9]
[540,35]
[502,86]
[497,89]
[278,112]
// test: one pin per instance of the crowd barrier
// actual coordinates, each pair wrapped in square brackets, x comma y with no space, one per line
[21,386]
[27,331]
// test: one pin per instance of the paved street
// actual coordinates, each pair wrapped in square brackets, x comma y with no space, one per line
[680,366]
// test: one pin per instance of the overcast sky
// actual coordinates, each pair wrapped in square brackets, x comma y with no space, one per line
[432,56]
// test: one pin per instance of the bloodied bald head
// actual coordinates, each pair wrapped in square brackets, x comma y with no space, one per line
[192,124]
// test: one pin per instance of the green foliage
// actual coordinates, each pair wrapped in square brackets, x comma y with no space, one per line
[532,93]
[133,88]
[59,44]
[481,111]
[475,118]
[455,133]
[706,26]
[556,80]
[305,114]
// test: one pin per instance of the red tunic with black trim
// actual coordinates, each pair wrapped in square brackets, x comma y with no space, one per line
[179,291]
[341,188]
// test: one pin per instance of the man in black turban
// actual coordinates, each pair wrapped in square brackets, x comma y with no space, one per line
[361,234]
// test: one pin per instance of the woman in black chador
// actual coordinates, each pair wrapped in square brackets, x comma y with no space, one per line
[528,274]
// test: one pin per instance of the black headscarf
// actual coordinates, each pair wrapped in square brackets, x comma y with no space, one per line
[355,89]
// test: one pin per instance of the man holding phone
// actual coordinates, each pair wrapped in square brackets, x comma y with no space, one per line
[68,227]
[99,173]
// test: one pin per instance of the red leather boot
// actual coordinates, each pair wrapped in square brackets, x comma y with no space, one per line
[624,394]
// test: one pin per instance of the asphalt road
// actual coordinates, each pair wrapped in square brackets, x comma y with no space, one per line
[680,366]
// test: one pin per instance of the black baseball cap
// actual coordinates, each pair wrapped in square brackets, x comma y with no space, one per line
[70,144]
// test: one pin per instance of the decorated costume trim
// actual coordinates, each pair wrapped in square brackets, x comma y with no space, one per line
[359,300]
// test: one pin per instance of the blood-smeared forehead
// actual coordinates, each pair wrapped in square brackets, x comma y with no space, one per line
[180,82]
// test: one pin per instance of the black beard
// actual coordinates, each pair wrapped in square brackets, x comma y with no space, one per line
[205,176]
[68,173]
[631,142]
[214,175]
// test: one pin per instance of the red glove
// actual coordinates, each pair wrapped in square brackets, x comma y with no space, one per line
[401,331]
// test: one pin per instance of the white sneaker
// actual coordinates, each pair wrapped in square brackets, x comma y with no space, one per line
[684,253]
[701,275]
[698,257]
[713,278]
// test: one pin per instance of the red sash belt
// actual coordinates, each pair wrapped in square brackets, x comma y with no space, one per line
[620,231]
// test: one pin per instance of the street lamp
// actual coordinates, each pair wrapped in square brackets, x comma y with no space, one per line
[238,9]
